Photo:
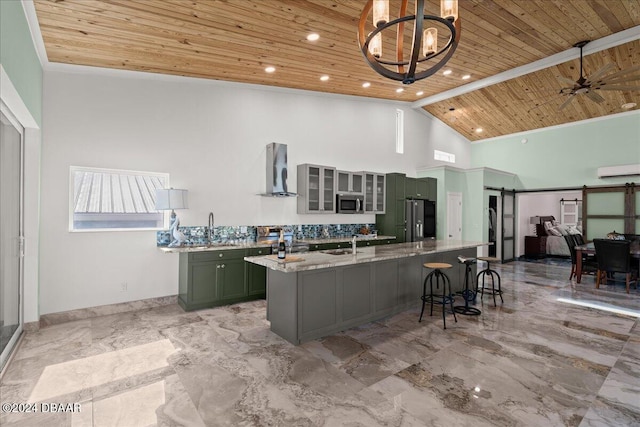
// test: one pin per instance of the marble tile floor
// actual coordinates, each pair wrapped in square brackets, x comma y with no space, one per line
[536,360]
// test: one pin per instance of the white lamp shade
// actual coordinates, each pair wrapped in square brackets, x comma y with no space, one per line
[171,198]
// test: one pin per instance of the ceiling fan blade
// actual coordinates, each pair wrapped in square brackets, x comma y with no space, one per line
[618,87]
[565,80]
[594,97]
[565,103]
[599,73]
[619,80]
[623,72]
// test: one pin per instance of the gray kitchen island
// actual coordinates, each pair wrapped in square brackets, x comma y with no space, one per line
[315,294]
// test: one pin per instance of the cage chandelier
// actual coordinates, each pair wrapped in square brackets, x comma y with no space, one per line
[417,65]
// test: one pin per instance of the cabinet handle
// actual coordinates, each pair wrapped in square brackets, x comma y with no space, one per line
[217,266]
[220,255]
[222,265]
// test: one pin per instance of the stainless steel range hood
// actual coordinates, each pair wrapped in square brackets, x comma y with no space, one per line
[277,171]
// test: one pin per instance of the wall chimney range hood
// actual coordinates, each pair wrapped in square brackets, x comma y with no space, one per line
[277,171]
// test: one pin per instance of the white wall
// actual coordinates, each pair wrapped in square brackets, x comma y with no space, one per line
[211,138]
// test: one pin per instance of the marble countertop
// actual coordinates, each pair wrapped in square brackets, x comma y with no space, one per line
[321,259]
[250,245]
[213,247]
[343,239]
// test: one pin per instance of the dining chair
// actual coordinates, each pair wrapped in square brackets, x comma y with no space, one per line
[589,263]
[572,251]
[614,257]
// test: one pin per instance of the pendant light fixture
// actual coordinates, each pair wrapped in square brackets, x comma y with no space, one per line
[424,59]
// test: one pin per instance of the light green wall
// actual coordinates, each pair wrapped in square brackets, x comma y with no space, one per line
[18,56]
[566,156]
[475,199]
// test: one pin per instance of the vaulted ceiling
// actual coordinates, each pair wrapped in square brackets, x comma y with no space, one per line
[235,40]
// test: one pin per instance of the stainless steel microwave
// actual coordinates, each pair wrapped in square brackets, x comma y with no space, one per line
[349,204]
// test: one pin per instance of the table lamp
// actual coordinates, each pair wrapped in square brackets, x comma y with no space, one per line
[171,199]
[534,220]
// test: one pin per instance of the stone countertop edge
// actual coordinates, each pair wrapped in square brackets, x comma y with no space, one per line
[252,245]
[318,259]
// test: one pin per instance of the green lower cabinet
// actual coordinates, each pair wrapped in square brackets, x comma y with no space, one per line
[231,285]
[256,274]
[202,276]
[213,278]
[326,246]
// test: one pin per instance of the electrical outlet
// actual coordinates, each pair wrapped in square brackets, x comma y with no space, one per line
[123,286]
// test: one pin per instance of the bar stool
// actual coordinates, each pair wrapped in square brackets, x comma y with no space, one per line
[446,298]
[467,294]
[493,274]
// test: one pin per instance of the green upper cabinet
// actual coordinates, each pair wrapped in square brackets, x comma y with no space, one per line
[316,189]
[410,188]
[422,188]
[400,188]
[417,188]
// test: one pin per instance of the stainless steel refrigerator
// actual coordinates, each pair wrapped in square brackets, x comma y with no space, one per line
[420,220]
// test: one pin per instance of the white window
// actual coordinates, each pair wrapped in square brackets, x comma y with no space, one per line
[399,131]
[109,199]
[444,156]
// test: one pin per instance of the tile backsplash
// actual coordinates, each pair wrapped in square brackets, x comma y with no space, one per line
[197,235]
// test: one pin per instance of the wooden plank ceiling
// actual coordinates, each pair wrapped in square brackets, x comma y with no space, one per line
[235,40]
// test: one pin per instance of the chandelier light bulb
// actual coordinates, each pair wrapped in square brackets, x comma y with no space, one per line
[375,47]
[380,12]
[449,9]
[430,41]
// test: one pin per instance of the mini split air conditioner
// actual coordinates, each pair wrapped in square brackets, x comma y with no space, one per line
[616,171]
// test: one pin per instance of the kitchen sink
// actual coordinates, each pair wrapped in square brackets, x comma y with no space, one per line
[338,252]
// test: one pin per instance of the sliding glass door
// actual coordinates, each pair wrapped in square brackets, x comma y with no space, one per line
[508,225]
[11,240]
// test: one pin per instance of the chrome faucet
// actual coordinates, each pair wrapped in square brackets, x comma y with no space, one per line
[211,229]
[353,244]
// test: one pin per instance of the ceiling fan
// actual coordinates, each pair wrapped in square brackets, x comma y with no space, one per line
[598,81]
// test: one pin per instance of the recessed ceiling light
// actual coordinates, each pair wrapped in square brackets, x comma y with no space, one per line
[466,77]
[270,69]
[399,90]
[366,84]
[420,93]
[324,78]
[629,105]
[447,72]
[479,130]
[313,37]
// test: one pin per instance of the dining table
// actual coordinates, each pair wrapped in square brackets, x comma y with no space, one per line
[589,249]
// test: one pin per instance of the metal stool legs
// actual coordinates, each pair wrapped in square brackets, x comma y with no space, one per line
[447,298]
[468,294]
[493,291]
